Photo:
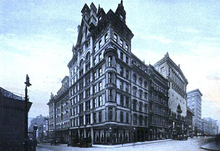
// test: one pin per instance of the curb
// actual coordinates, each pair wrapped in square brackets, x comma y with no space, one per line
[130,144]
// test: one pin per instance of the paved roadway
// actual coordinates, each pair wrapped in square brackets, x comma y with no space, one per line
[192,144]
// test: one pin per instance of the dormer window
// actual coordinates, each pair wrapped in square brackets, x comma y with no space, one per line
[126,47]
[121,42]
[100,44]
[100,17]
[106,37]
[115,37]
[121,17]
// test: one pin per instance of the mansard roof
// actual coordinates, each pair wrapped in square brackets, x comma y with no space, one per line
[167,59]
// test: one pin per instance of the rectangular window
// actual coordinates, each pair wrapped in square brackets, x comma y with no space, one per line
[121,56]
[126,47]
[94,89]
[135,105]
[121,117]
[100,100]
[94,103]
[94,117]
[121,42]
[121,71]
[95,49]
[121,84]
[126,59]
[87,92]
[100,44]
[134,91]
[135,119]
[100,72]
[110,61]
[88,105]
[110,97]
[100,56]
[88,119]
[115,37]
[127,74]
[106,37]
[94,61]
[110,112]
[140,106]
[121,100]
[110,77]
[127,101]
[100,117]
[127,118]
[94,75]
[127,88]
[100,85]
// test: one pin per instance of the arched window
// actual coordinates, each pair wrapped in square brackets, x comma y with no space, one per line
[88,56]
[134,78]
[140,81]
[81,63]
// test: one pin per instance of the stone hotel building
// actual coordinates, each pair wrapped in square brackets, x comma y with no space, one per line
[112,96]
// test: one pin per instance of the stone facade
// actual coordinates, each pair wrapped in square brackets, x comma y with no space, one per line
[112,97]
[177,90]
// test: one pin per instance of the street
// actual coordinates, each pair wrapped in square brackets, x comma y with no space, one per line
[192,144]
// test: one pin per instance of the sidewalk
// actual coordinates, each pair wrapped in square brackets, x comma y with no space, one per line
[211,146]
[130,144]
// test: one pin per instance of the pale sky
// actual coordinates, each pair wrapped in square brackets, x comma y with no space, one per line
[36,38]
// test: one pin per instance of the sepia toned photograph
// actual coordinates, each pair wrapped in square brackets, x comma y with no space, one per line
[101,75]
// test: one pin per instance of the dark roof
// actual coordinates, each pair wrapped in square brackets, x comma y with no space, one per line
[9,94]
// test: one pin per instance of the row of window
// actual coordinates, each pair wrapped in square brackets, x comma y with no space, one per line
[140,92]
[98,118]
[120,41]
[140,120]
[140,106]
[140,81]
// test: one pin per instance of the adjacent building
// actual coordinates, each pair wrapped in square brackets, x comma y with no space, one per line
[12,120]
[189,122]
[177,92]
[194,99]
[59,114]
[209,126]
[158,106]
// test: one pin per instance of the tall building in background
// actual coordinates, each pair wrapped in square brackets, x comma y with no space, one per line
[177,91]
[12,120]
[194,99]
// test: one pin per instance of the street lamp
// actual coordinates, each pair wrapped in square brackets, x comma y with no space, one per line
[35,127]
[35,136]
[110,130]
[134,134]
[27,84]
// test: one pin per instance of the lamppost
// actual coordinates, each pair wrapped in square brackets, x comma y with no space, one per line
[110,130]
[35,136]
[27,84]
[134,134]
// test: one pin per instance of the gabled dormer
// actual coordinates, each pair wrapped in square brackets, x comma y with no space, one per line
[120,12]
[101,13]
[85,12]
